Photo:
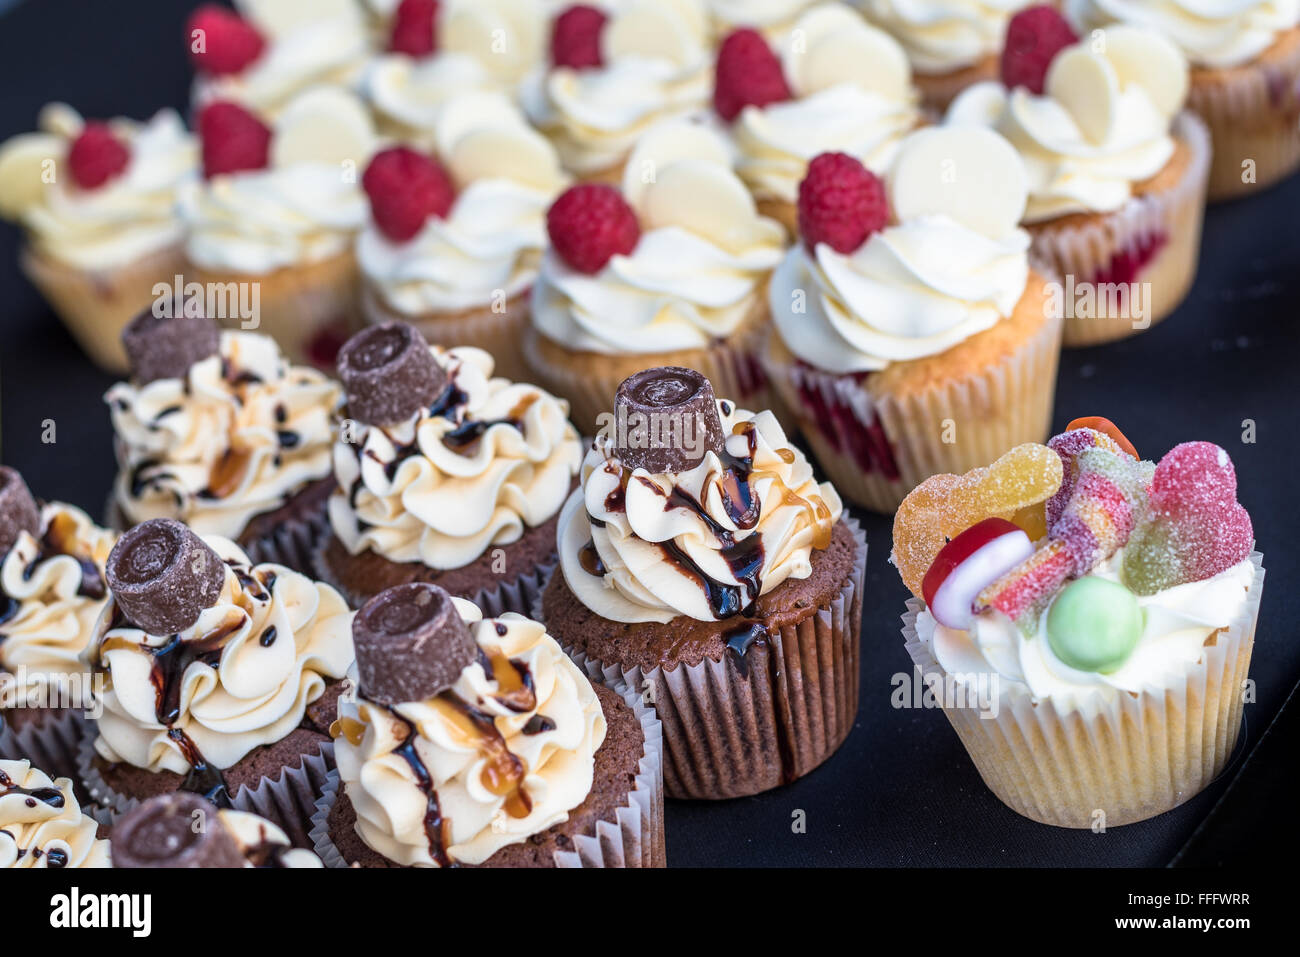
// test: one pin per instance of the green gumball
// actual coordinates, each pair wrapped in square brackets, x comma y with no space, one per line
[1094,624]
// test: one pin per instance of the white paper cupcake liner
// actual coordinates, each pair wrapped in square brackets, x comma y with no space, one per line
[635,838]
[51,743]
[1110,760]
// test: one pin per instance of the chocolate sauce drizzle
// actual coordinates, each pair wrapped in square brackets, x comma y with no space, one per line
[434,824]
[60,539]
[51,796]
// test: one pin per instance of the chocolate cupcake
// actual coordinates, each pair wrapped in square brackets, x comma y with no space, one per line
[51,593]
[445,474]
[216,429]
[218,676]
[42,823]
[476,742]
[161,832]
[702,559]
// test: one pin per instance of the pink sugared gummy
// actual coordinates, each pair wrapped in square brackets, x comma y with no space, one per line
[1194,475]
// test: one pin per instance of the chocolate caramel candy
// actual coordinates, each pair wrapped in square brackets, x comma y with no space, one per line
[389,374]
[164,348]
[162,576]
[18,510]
[173,830]
[411,644]
[667,420]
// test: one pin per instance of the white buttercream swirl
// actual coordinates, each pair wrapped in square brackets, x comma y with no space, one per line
[258,838]
[32,830]
[943,36]
[256,690]
[410,496]
[239,435]
[795,515]
[558,761]
[771,17]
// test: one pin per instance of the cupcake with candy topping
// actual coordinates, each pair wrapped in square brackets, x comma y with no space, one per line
[911,335]
[671,270]
[701,559]
[1244,78]
[1089,617]
[456,239]
[828,82]
[220,676]
[445,473]
[476,742]
[51,593]
[42,823]
[216,429]
[97,203]
[616,70]
[184,831]
[273,222]
[1117,170]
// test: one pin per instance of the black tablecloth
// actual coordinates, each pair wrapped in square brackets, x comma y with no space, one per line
[901,790]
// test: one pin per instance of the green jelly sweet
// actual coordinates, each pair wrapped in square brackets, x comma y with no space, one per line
[1094,624]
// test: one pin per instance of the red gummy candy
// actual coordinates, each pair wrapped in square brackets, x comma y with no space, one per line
[1194,475]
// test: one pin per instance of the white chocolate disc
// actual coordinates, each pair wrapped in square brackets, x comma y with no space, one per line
[664,144]
[1085,84]
[648,30]
[854,52]
[967,173]
[703,197]
[323,125]
[279,18]
[23,163]
[1151,61]
[515,153]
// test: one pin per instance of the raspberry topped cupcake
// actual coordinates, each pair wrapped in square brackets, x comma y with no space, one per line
[218,430]
[97,205]
[42,823]
[837,84]
[445,473]
[701,557]
[912,337]
[1117,171]
[669,271]
[455,242]
[1092,615]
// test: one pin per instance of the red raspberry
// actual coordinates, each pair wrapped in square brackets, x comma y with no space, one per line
[233,139]
[227,42]
[415,28]
[589,224]
[1034,36]
[841,203]
[748,74]
[97,156]
[405,189]
[575,37]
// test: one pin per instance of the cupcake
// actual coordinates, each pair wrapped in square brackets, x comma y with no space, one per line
[218,430]
[670,271]
[951,43]
[42,824]
[220,677]
[910,334]
[1117,171]
[445,474]
[839,84]
[1086,621]
[475,742]
[455,240]
[273,222]
[97,205]
[1244,83]
[702,562]
[51,593]
[616,70]
[184,830]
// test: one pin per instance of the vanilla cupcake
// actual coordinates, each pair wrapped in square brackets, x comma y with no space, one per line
[51,593]
[1245,78]
[445,474]
[455,241]
[217,430]
[911,335]
[950,43]
[1117,173]
[97,205]
[220,677]
[672,270]
[476,742]
[278,213]
[847,86]
[42,823]
[616,70]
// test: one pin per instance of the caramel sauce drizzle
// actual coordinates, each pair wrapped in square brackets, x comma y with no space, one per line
[60,538]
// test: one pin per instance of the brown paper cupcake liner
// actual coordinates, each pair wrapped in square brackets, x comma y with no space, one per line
[498,333]
[744,725]
[50,743]
[287,801]
[635,838]
[1107,763]
[292,543]
[994,409]
[96,306]
[1075,253]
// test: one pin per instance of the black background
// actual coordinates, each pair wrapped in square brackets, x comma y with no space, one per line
[901,790]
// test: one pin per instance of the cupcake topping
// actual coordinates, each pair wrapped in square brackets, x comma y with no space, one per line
[575,37]
[18,510]
[42,824]
[748,73]
[221,41]
[165,348]
[163,576]
[1034,36]
[415,28]
[389,374]
[405,188]
[945,36]
[178,830]
[97,156]
[650,399]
